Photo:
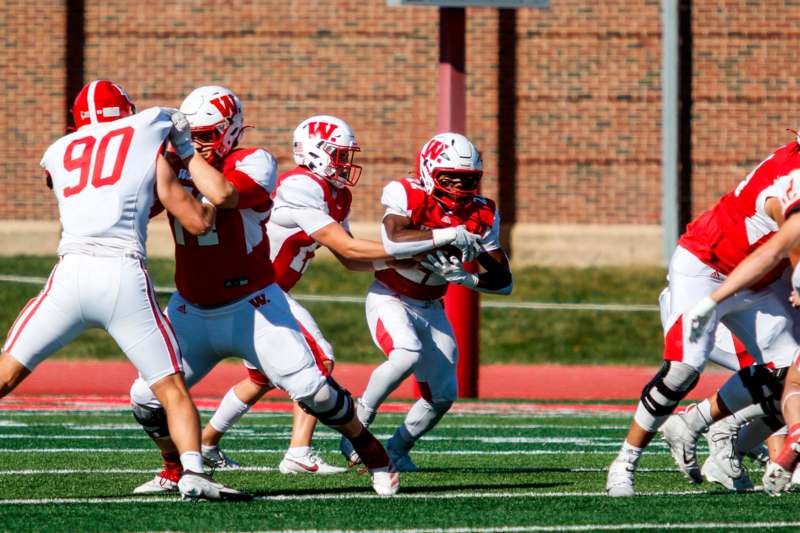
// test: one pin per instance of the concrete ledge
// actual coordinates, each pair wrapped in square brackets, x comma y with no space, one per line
[578,245]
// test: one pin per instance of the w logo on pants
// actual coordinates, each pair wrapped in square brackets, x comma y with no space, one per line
[258,301]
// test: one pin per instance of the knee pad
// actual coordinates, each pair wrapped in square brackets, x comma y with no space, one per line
[141,394]
[670,385]
[152,420]
[765,388]
[331,404]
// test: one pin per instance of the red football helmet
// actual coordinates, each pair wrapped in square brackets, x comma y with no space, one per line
[101,101]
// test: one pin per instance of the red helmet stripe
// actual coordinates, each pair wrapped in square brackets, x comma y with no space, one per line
[91,103]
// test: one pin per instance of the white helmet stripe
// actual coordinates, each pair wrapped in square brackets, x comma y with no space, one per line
[91,104]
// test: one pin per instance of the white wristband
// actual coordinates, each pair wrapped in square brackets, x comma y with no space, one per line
[443,236]
[379,265]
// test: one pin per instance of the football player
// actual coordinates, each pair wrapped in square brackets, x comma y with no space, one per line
[786,243]
[105,176]
[404,307]
[311,209]
[228,302]
[713,245]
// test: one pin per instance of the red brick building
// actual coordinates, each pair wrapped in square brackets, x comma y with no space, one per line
[564,102]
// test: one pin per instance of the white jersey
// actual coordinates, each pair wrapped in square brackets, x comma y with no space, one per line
[303,204]
[104,180]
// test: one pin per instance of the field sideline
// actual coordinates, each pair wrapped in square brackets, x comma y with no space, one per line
[506,468]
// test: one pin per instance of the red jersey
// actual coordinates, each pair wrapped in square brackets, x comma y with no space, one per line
[303,204]
[408,198]
[738,224]
[232,260]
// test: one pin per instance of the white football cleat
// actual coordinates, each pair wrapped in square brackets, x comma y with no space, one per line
[197,486]
[350,453]
[217,459]
[400,459]
[165,481]
[776,479]
[721,437]
[620,479]
[310,463]
[385,481]
[683,446]
[714,473]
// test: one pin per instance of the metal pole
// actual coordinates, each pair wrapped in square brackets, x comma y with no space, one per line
[670,47]
[676,120]
[461,304]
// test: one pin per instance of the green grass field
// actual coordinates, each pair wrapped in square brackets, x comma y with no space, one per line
[508,335]
[511,471]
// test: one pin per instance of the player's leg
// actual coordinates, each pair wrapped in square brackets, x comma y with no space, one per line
[278,348]
[48,321]
[438,384]
[689,281]
[391,324]
[779,472]
[148,340]
[301,456]
[236,402]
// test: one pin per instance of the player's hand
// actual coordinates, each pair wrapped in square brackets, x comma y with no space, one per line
[468,243]
[698,317]
[451,269]
[794,299]
[181,135]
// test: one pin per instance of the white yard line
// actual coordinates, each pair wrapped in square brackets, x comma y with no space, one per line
[349,299]
[104,471]
[363,496]
[283,450]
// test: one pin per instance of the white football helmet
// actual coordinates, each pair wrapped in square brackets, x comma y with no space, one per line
[326,145]
[215,115]
[450,168]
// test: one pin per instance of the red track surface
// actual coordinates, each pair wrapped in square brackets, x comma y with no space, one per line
[527,382]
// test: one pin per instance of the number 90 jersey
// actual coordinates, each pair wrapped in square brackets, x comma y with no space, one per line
[104,180]
[232,260]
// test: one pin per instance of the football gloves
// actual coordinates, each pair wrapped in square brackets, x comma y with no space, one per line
[698,316]
[450,268]
[458,236]
[181,135]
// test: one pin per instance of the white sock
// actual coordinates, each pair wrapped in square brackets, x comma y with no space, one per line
[629,453]
[299,451]
[230,410]
[207,448]
[192,461]
[699,418]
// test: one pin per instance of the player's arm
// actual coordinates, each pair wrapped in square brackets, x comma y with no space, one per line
[196,217]
[402,240]
[211,183]
[208,180]
[345,246]
[496,279]
[785,242]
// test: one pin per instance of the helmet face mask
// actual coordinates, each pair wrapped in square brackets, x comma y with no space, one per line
[450,169]
[326,146]
[216,119]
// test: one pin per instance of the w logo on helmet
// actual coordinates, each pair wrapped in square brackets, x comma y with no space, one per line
[225,104]
[323,130]
[433,150]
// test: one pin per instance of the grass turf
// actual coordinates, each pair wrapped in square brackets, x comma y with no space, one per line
[484,471]
[508,335]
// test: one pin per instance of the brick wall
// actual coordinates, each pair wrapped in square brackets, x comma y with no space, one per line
[586,142]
